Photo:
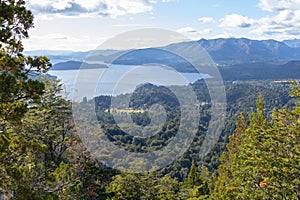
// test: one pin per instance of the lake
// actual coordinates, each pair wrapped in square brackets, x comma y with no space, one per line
[119,79]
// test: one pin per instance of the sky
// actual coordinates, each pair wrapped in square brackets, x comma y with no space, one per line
[82,25]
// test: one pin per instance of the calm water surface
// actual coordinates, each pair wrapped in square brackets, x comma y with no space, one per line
[119,79]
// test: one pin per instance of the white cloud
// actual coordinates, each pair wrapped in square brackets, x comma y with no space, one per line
[235,20]
[286,24]
[205,19]
[169,0]
[222,35]
[112,8]
[187,29]
[116,8]
[130,25]
[164,1]
[193,33]
[88,4]
[62,42]
[279,5]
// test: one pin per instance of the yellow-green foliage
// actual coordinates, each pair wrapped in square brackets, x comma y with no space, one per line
[263,158]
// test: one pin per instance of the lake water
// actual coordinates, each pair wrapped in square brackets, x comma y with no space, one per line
[119,79]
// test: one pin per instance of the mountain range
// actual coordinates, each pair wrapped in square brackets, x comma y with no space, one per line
[223,51]
[235,57]
[74,65]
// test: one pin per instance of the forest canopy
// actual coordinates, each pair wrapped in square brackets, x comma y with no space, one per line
[43,157]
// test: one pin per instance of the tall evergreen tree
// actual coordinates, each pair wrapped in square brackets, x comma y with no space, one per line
[194,187]
[17,91]
[35,162]
[16,88]
[262,161]
[224,187]
[192,178]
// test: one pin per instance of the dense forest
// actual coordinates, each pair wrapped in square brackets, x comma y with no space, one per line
[43,154]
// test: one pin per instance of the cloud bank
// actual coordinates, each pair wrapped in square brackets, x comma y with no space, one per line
[235,20]
[279,5]
[194,34]
[111,8]
[206,20]
[283,23]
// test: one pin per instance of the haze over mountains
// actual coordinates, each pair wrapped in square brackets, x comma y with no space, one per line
[73,65]
[293,42]
[237,58]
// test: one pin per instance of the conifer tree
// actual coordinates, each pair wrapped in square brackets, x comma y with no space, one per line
[262,161]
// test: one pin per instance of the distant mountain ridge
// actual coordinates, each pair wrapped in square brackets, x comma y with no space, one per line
[224,51]
[234,51]
[236,58]
[295,43]
[261,71]
[75,65]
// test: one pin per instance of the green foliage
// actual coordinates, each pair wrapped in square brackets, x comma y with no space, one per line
[194,187]
[262,161]
[168,188]
[16,89]
[125,187]
[20,156]
[192,178]
[143,186]
[41,157]
[295,92]
[15,21]
[32,154]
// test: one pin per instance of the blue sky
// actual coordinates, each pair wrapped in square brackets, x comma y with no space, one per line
[85,24]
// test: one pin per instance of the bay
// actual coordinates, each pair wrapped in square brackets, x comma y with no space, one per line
[119,79]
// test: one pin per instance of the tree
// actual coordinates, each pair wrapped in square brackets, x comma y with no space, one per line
[193,187]
[146,186]
[41,157]
[36,162]
[192,178]
[224,186]
[125,187]
[17,91]
[168,188]
[263,158]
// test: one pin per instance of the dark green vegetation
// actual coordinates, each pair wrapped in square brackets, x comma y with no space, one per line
[240,96]
[261,71]
[42,156]
[262,161]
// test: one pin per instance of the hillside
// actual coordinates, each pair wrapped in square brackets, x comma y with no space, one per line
[261,71]
[222,51]
[237,58]
[73,65]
